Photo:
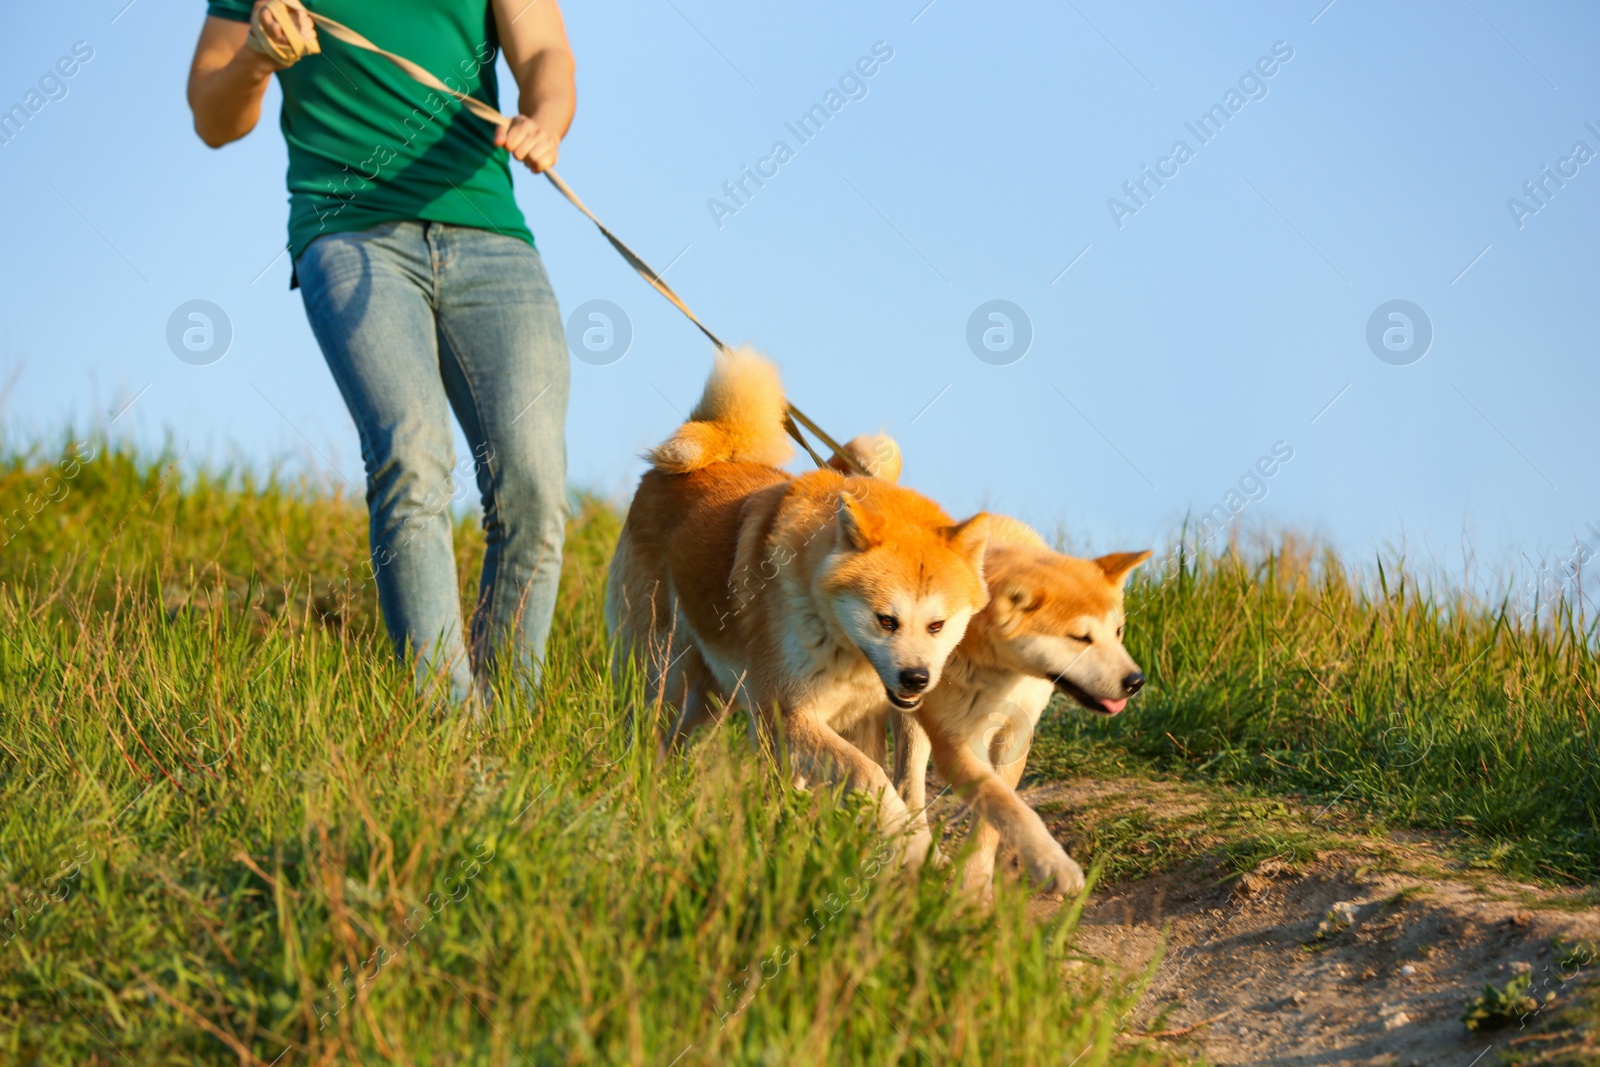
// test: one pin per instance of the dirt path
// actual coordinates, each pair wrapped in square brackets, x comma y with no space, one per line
[1296,942]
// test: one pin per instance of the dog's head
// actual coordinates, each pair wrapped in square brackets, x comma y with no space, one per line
[902,583]
[1061,618]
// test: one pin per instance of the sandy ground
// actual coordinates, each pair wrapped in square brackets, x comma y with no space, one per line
[1367,952]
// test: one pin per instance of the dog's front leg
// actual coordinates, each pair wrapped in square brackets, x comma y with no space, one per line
[911,751]
[818,750]
[978,874]
[997,803]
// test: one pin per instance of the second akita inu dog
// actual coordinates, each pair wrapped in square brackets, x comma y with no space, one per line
[1053,624]
[814,598]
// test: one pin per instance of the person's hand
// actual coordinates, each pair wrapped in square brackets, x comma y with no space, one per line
[284,46]
[530,142]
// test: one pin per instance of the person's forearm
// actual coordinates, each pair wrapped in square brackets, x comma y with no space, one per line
[548,95]
[226,101]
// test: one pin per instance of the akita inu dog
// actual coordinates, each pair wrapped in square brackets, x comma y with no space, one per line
[810,599]
[1053,624]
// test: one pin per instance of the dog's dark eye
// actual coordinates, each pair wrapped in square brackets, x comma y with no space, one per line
[1119,633]
[935,627]
[889,623]
[1087,639]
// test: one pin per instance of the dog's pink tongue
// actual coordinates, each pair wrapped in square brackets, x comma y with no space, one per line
[1114,706]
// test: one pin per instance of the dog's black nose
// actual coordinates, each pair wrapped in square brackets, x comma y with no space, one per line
[1133,683]
[914,679]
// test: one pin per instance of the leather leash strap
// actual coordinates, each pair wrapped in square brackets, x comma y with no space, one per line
[284,12]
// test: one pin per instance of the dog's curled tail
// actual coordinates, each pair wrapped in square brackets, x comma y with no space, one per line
[739,419]
[878,454]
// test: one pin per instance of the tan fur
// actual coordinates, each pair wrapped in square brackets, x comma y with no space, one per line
[739,419]
[978,726]
[734,582]
[877,453]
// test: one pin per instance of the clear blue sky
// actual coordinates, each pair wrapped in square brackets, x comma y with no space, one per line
[1220,318]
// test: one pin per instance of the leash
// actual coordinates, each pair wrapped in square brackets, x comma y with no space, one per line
[300,45]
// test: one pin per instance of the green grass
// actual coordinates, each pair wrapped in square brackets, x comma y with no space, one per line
[1283,673]
[220,804]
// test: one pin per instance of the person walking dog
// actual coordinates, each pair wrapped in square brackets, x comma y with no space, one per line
[424,289]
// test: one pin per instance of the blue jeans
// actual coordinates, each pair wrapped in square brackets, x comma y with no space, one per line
[418,319]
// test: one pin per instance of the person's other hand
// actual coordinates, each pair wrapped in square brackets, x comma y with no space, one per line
[526,140]
[269,36]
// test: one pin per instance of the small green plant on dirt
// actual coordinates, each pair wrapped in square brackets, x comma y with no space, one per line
[1494,1009]
[1134,845]
[1577,955]
[1291,848]
[1255,811]
[1340,917]
[1403,897]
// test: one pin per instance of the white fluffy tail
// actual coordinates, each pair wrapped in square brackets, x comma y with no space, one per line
[739,419]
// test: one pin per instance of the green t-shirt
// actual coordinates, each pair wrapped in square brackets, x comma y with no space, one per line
[368,144]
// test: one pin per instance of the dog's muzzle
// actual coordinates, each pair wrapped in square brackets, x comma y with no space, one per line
[1095,704]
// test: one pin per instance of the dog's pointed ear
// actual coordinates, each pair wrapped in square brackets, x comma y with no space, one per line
[1118,565]
[1023,598]
[858,528]
[970,540]
[1011,600]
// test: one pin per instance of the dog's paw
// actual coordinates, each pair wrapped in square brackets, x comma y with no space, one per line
[1056,875]
[919,850]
